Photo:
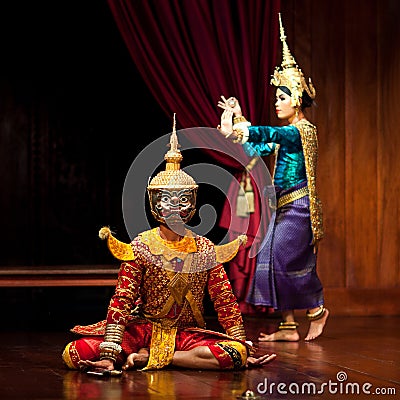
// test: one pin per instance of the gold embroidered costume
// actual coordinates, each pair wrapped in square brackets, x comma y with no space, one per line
[158,302]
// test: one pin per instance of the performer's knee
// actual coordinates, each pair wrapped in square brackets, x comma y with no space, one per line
[82,349]
[230,354]
[70,357]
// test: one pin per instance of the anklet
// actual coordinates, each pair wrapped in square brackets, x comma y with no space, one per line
[317,315]
[288,325]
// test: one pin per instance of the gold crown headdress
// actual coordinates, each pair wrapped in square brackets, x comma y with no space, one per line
[173,177]
[290,75]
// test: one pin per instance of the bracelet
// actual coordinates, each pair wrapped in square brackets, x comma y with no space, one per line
[110,346]
[109,350]
[109,355]
[239,136]
[237,120]
[237,332]
[114,333]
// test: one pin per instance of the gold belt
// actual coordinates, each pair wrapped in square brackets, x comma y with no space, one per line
[290,197]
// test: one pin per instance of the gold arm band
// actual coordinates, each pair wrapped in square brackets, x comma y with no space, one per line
[237,120]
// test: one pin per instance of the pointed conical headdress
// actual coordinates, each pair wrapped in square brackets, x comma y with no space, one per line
[290,75]
[173,177]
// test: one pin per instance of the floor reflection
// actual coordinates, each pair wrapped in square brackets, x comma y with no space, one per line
[166,384]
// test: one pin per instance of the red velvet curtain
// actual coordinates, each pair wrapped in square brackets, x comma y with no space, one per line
[190,52]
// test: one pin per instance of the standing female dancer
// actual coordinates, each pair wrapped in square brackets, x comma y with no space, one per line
[285,276]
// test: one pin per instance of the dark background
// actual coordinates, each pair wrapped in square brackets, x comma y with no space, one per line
[72,94]
[74,113]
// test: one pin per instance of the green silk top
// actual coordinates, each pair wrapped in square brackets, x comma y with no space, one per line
[290,167]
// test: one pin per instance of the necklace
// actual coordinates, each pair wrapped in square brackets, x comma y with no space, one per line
[162,236]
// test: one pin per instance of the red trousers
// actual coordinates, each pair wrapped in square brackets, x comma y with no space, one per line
[231,354]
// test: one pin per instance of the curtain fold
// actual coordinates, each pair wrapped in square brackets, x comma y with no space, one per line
[189,53]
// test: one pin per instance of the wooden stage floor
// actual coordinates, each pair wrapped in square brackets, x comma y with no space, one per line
[360,354]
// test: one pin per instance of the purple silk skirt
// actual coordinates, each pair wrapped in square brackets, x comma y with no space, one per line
[285,277]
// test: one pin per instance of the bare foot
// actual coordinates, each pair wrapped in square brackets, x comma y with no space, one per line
[316,327]
[137,360]
[284,335]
